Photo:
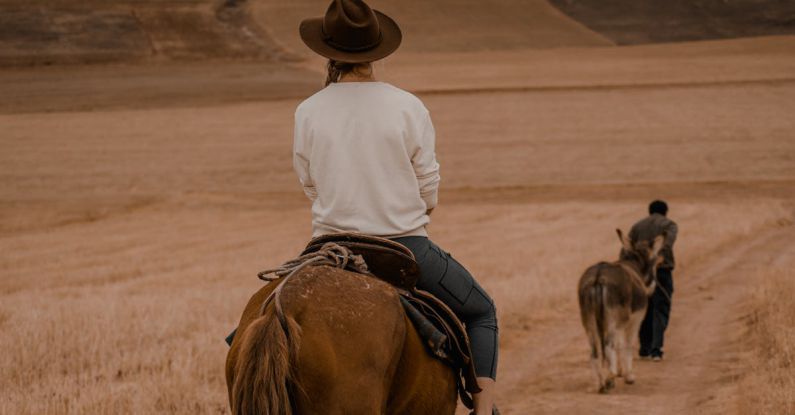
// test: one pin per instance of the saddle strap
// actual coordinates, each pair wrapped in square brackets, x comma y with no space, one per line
[456,351]
[435,339]
[458,337]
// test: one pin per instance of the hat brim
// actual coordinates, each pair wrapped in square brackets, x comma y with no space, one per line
[312,34]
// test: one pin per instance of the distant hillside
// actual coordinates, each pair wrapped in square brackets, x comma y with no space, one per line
[93,31]
[629,22]
[446,25]
[46,32]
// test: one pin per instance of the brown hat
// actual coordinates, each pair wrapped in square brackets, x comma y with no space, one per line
[351,32]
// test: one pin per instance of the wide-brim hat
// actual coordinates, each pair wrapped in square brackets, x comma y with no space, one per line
[351,32]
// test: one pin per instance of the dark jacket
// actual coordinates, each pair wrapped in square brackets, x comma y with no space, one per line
[649,228]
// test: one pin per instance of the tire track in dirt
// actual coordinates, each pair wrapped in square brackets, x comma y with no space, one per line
[547,370]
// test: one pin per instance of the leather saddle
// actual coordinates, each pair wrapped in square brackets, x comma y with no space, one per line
[388,260]
[441,330]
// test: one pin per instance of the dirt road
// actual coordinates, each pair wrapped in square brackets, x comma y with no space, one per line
[704,344]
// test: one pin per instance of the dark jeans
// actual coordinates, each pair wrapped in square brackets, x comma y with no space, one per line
[654,324]
[449,281]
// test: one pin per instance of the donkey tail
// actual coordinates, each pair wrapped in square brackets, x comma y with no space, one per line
[592,306]
[600,315]
[263,375]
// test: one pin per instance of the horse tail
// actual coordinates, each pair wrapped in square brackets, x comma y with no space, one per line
[263,371]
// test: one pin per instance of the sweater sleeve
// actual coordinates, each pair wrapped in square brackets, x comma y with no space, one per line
[301,153]
[426,168]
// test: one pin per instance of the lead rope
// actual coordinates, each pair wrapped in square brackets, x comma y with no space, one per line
[656,281]
[662,289]
[329,254]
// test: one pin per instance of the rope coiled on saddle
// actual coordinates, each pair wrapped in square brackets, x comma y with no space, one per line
[329,254]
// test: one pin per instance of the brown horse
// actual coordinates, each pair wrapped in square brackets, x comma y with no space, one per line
[345,347]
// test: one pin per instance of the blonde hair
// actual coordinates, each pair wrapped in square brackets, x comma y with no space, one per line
[337,69]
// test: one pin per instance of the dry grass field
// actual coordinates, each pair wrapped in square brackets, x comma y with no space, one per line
[769,388]
[137,204]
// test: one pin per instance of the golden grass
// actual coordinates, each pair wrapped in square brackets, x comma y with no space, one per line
[769,388]
[87,352]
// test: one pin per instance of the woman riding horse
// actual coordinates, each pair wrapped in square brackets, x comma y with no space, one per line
[364,153]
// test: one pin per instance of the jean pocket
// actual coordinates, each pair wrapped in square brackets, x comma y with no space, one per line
[457,281]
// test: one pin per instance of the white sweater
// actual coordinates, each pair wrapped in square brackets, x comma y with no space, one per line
[364,153]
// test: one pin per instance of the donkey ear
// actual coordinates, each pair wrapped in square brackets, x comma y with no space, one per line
[657,246]
[624,240]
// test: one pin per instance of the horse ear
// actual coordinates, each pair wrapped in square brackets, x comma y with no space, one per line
[657,246]
[624,240]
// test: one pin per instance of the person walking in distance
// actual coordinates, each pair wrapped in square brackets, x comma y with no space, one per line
[652,330]
[364,152]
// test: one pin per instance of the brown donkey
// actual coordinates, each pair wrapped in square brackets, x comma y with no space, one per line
[345,346]
[613,299]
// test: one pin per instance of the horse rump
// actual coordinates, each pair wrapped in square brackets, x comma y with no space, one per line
[263,374]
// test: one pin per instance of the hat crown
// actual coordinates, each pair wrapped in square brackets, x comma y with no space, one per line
[351,25]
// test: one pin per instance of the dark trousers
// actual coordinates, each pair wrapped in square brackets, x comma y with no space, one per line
[449,281]
[652,330]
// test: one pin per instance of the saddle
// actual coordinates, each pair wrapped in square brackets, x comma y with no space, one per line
[441,330]
[388,260]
